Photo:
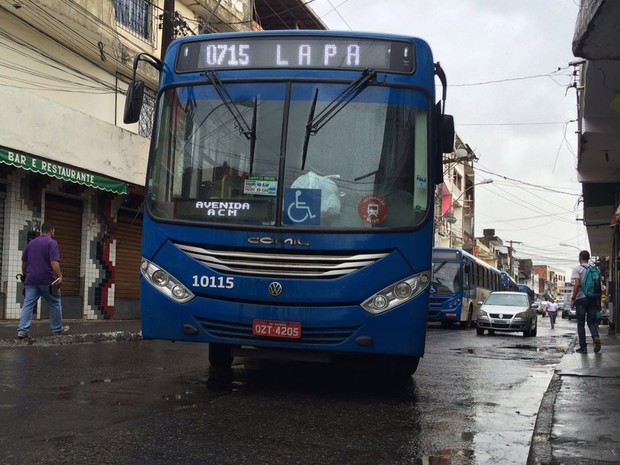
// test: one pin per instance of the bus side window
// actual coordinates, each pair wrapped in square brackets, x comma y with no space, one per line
[467,278]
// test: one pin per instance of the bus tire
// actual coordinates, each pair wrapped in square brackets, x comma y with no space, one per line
[404,367]
[469,322]
[479,331]
[220,355]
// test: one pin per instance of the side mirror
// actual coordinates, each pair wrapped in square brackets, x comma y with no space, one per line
[133,102]
[447,133]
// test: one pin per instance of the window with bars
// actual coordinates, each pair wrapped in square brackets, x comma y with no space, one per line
[136,16]
[145,125]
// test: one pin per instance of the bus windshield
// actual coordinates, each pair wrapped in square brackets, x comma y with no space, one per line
[252,160]
[446,278]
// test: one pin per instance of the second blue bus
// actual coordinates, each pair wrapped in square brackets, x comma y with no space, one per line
[459,281]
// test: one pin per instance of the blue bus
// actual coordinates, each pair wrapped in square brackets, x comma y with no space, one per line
[459,282]
[531,295]
[508,283]
[289,194]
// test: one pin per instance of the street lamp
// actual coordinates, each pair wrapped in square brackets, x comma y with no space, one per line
[563,244]
[484,181]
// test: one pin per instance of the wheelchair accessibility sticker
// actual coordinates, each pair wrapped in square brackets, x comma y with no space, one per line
[302,206]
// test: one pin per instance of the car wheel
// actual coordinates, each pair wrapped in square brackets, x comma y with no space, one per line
[480,331]
[534,331]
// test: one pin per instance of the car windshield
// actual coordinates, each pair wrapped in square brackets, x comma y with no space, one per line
[509,300]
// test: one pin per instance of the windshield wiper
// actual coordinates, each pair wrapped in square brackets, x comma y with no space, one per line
[249,131]
[315,124]
[440,266]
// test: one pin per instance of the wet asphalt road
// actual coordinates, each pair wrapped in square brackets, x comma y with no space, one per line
[473,400]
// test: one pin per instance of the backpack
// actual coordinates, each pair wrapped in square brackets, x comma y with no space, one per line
[591,282]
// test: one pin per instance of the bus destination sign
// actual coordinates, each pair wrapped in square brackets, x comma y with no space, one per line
[300,52]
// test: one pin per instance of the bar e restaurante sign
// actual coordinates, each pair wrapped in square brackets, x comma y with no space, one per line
[62,172]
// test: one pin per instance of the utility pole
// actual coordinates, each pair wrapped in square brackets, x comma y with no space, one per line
[510,250]
[167,32]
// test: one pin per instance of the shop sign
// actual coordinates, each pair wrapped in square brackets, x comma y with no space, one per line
[62,172]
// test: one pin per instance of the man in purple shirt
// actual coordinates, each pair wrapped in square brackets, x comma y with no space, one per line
[42,278]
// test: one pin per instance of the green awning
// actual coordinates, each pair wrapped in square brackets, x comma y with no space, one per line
[58,171]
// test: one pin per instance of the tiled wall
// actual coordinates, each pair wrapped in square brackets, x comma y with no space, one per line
[24,212]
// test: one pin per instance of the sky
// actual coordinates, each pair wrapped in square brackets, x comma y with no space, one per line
[508,70]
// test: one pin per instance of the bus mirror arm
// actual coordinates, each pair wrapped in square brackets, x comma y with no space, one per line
[135,90]
[439,72]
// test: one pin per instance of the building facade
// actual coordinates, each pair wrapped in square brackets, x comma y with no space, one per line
[455,200]
[596,46]
[65,155]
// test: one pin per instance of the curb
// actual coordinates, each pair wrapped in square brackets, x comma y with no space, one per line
[540,446]
[65,339]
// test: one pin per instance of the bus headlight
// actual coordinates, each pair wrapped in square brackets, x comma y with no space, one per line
[397,294]
[165,282]
[160,278]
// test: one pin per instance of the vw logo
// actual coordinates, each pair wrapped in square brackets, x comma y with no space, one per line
[275,289]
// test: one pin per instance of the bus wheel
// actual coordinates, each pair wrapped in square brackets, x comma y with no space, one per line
[404,367]
[220,355]
[479,331]
[468,323]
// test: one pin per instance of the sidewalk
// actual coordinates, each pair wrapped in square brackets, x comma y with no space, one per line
[79,331]
[579,418]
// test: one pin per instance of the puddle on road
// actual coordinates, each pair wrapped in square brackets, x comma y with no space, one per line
[450,456]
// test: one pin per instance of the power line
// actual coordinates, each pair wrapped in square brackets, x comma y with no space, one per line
[526,183]
[522,78]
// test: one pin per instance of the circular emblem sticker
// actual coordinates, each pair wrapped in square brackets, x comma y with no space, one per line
[372,209]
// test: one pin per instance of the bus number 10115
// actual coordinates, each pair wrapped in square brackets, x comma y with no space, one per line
[217,282]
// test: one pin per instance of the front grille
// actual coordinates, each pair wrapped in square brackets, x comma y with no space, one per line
[270,263]
[322,336]
[503,316]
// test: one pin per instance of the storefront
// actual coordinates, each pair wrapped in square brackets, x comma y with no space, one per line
[98,228]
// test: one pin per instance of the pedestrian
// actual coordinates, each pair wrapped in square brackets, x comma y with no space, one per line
[42,278]
[552,311]
[586,306]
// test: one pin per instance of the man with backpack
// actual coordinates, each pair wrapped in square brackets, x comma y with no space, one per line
[586,299]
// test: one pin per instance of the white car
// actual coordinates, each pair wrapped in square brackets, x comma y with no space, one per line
[507,311]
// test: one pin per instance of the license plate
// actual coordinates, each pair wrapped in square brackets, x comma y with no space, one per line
[270,328]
